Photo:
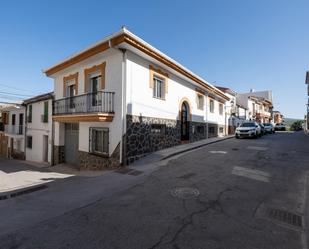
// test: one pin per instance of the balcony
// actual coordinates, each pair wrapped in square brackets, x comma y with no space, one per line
[263,114]
[14,129]
[87,107]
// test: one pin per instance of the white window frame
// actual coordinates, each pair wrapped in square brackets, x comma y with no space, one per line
[91,142]
[212,110]
[155,90]
[200,100]
[221,111]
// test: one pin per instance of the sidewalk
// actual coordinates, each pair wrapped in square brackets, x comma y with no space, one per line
[176,150]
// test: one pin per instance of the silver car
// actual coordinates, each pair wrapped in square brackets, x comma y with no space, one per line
[269,128]
[248,129]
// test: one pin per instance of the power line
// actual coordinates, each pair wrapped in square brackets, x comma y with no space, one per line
[16,94]
[16,88]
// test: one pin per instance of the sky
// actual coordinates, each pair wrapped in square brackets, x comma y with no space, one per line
[240,44]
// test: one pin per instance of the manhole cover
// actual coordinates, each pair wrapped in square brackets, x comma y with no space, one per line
[135,173]
[186,176]
[185,193]
[284,216]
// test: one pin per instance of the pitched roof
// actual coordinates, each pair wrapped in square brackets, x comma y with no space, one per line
[41,97]
[125,36]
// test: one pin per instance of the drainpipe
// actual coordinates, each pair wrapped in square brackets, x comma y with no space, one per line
[52,159]
[25,136]
[123,107]
[207,115]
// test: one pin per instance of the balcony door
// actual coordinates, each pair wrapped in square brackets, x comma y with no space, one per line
[95,82]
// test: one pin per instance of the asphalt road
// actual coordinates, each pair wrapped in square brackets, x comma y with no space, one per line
[235,194]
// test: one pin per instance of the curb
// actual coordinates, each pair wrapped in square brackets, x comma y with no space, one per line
[194,148]
[22,191]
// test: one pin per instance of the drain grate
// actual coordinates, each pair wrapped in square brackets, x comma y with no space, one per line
[185,193]
[186,176]
[135,173]
[284,216]
[22,192]
[235,149]
[123,170]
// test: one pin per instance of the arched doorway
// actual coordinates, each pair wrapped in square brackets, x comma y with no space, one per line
[184,121]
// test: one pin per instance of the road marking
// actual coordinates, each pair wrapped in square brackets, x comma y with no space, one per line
[257,148]
[252,174]
[217,152]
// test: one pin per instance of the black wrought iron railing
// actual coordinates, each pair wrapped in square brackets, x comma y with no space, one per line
[85,103]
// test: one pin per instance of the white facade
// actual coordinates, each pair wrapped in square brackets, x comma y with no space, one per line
[14,129]
[40,130]
[128,74]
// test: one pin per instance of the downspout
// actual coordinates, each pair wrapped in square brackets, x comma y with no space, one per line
[207,115]
[25,137]
[52,159]
[123,108]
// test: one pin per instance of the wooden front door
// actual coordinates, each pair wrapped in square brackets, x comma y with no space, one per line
[184,124]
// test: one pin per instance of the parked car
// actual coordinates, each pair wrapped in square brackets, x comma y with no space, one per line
[263,131]
[269,128]
[280,127]
[248,129]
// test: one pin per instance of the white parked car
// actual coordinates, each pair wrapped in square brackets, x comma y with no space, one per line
[269,128]
[248,129]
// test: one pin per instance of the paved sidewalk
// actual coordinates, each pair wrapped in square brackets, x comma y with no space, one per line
[176,150]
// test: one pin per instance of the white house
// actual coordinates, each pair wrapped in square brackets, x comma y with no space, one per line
[121,99]
[236,114]
[13,118]
[38,135]
[259,105]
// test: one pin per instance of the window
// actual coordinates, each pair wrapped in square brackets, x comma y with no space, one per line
[211,105]
[5,118]
[200,101]
[99,140]
[29,118]
[221,109]
[221,130]
[45,115]
[95,82]
[158,88]
[13,119]
[29,142]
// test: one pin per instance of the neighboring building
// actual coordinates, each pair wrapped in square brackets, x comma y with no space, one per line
[235,113]
[39,135]
[259,105]
[307,116]
[277,117]
[13,118]
[121,99]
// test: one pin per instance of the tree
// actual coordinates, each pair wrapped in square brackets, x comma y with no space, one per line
[297,125]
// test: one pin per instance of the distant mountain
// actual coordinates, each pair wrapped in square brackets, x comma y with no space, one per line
[289,121]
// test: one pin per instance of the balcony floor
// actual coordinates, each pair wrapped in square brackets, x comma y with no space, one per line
[86,117]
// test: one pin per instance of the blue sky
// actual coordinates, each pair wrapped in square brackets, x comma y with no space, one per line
[241,44]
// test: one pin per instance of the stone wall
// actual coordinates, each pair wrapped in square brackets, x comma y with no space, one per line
[198,131]
[58,154]
[146,134]
[91,161]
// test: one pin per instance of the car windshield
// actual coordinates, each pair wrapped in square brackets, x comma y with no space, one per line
[267,124]
[248,125]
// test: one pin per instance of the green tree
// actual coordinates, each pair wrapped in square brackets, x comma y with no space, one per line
[297,125]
